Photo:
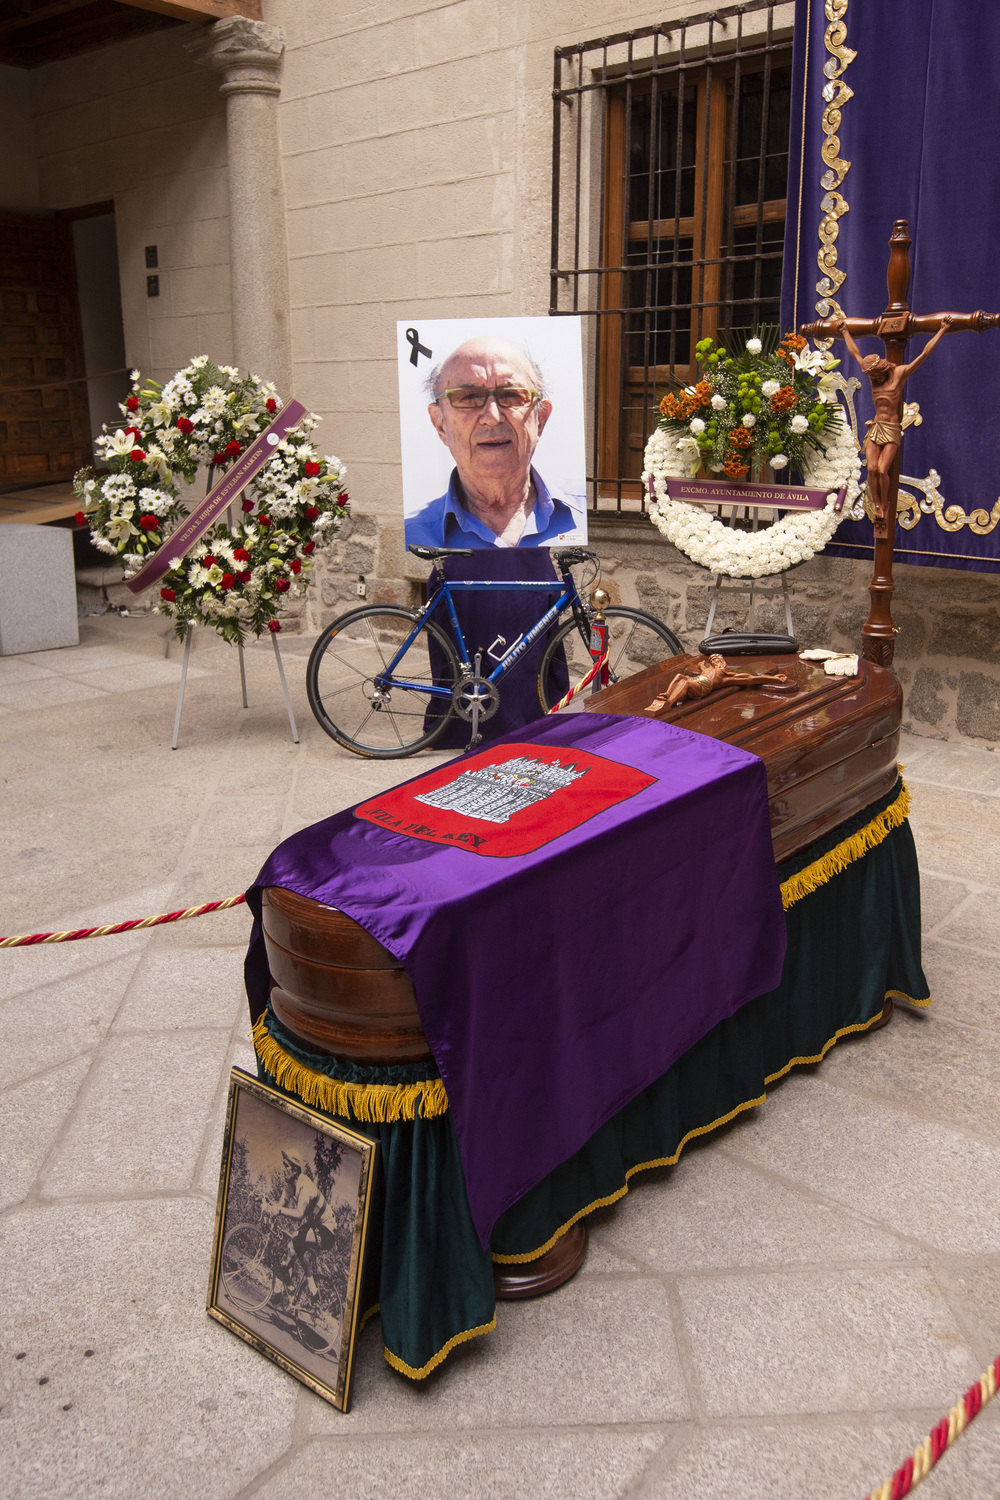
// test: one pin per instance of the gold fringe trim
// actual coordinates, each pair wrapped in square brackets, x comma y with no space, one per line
[367,1317]
[671,1161]
[859,844]
[899,995]
[644,1166]
[442,1354]
[374,1102]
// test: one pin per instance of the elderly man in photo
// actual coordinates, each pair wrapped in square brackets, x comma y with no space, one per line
[489,408]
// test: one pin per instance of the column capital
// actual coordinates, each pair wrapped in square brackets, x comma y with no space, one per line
[247,53]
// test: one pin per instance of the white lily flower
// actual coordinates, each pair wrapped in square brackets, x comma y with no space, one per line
[692,453]
[810,360]
[160,413]
[121,528]
[119,446]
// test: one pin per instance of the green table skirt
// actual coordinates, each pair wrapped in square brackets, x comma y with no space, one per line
[853,913]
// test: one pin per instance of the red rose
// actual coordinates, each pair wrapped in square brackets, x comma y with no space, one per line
[282,584]
[248,505]
[309,548]
[219,458]
[312,511]
[149,523]
[232,449]
[132,403]
[137,456]
[167,594]
[264,520]
[80,518]
[241,554]
[312,469]
[295,566]
[271,404]
[185,425]
[208,561]
[245,576]
[274,625]
[342,499]
[227,581]
[131,432]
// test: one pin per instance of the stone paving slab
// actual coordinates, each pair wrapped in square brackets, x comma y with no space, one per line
[783,1314]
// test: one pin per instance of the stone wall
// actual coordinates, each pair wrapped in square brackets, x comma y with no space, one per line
[947,652]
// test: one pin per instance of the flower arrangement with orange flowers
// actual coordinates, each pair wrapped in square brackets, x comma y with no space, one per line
[243,569]
[766,404]
[751,410]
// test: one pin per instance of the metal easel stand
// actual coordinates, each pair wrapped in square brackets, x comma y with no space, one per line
[756,590]
[243,685]
[731,585]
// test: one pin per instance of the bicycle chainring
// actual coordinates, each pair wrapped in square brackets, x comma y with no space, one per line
[471,690]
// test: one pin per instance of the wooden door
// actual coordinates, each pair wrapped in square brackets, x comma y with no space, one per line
[44,430]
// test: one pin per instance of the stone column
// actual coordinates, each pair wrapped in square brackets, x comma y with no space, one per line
[248,55]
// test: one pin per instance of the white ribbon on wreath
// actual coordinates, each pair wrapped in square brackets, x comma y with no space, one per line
[706,539]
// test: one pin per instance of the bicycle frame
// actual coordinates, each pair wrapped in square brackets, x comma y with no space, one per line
[570,595]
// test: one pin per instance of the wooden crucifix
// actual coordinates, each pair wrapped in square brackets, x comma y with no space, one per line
[888,377]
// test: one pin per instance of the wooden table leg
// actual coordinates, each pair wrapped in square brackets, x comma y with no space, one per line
[531,1278]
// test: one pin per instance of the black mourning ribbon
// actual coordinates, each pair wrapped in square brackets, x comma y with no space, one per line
[416,347]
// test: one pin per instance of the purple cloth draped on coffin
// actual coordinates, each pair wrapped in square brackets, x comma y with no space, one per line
[554,987]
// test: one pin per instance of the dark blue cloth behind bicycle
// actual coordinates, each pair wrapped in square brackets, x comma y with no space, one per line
[485,616]
[545,1012]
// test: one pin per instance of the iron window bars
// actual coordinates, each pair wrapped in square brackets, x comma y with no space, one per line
[670,158]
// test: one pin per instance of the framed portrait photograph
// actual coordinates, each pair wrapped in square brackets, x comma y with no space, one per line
[491,418]
[291,1233]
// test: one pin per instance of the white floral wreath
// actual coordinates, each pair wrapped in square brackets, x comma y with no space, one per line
[706,539]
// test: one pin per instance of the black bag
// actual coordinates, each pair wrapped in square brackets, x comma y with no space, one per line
[749,643]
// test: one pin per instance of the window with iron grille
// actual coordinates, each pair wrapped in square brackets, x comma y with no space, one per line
[670,156]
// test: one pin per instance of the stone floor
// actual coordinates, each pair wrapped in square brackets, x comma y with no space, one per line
[783,1315]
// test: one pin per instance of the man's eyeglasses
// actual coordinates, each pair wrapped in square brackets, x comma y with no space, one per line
[475,397]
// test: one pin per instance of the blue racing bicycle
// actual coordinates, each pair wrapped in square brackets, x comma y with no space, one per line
[385,681]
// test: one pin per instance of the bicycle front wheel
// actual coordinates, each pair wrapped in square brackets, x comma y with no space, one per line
[246,1275]
[360,703]
[635,641]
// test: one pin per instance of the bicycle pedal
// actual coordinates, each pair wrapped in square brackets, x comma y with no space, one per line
[477,739]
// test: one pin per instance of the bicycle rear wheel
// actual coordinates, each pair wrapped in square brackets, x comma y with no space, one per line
[635,641]
[355,700]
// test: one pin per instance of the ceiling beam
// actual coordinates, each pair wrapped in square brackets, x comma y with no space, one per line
[199,11]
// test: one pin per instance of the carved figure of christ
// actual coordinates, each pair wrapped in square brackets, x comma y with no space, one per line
[884,433]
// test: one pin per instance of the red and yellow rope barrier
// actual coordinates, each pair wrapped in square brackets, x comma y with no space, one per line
[74,935]
[601,662]
[940,1438]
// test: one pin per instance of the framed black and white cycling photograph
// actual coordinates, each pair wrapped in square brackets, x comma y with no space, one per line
[291,1232]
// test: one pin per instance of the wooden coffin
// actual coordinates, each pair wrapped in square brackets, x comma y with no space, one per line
[335,986]
[830,748]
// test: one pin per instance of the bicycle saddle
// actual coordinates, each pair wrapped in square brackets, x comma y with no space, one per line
[573,555]
[430,553]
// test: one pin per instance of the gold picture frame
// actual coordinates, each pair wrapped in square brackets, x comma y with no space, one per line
[291,1235]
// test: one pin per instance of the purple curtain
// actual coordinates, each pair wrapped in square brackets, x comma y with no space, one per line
[919,115]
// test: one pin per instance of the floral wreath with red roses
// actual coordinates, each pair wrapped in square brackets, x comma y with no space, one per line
[239,575]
